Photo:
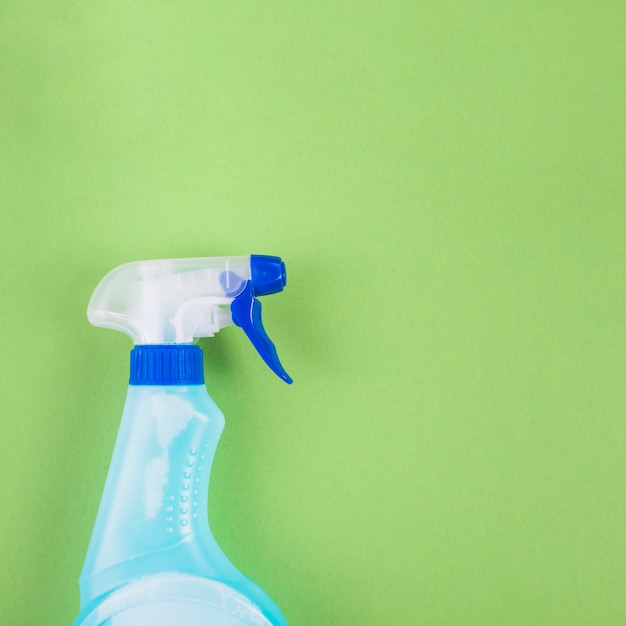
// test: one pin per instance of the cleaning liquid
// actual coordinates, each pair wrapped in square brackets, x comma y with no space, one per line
[152,560]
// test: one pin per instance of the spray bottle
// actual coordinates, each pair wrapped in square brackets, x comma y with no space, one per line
[152,560]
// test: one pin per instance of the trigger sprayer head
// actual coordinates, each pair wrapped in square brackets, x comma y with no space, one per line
[178,300]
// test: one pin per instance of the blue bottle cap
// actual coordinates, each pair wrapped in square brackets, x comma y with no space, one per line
[171,364]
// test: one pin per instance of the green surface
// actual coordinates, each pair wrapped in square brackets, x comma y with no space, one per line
[446,182]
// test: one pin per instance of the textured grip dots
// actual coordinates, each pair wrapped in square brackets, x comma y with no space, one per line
[182,508]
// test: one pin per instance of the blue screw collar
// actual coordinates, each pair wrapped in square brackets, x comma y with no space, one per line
[172,364]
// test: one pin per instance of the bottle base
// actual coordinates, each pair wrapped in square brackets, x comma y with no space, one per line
[172,599]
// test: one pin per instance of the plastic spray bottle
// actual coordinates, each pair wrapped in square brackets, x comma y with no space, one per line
[152,560]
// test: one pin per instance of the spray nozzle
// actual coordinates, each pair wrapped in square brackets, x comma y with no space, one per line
[268,274]
[179,300]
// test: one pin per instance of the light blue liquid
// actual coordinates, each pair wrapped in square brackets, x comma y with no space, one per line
[152,559]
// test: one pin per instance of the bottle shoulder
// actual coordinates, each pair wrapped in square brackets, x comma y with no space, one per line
[172,399]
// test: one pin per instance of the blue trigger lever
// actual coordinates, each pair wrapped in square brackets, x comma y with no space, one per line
[268,276]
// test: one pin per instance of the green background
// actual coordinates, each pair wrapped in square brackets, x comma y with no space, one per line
[446,183]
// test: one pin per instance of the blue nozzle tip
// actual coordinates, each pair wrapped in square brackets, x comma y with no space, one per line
[269,274]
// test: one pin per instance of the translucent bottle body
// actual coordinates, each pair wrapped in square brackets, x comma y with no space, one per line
[152,559]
